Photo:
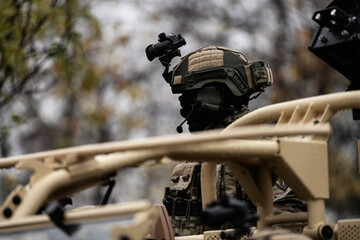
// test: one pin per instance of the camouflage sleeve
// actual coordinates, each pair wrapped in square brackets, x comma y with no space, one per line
[285,200]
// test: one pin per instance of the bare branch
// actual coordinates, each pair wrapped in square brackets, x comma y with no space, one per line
[26,25]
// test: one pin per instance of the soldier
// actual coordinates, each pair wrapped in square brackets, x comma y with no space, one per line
[215,84]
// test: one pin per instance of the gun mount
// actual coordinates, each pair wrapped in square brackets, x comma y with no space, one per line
[337,40]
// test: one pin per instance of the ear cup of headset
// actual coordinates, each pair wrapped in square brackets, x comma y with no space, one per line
[202,108]
[205,108]
[187,100]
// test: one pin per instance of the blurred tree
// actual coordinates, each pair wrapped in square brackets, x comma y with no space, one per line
[58,87]
[41,44]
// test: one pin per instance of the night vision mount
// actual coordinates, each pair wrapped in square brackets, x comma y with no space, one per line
[166,49]
[337,40]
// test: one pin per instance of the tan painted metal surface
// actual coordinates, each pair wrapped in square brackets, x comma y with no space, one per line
[295,149]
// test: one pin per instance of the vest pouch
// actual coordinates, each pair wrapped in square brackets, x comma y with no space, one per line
[180,207]
[195,208]
[168,203]
[181,176]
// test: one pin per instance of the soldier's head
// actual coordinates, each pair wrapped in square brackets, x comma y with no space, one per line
[215,84]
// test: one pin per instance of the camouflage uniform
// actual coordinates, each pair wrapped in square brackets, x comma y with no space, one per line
[285,200]
[183,197]
[216,84]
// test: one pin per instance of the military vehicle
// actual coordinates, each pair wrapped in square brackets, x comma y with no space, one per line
[286,140]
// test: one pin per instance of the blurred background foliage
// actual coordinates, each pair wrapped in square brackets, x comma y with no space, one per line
[75,72]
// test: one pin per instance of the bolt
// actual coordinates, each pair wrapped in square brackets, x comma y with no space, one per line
[318,17]
[322,39]
[333,13]
[358,35]
[16,200]
[7,212]
[327,232]
[345,33]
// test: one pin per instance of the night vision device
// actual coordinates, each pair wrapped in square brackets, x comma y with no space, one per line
[166,49]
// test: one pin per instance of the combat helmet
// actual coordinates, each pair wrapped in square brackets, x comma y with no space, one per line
[215,64]
[216,82]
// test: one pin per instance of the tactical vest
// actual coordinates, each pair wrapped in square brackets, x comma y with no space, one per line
[183,198]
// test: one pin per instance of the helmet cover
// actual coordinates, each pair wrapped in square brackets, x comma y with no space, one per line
[220,65]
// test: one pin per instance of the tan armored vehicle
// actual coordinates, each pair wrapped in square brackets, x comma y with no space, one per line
[286,140]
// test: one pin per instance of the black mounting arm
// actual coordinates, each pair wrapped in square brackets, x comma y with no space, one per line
[166,49]
[337,40]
